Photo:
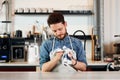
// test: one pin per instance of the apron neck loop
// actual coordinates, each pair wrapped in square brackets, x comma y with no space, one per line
[53,44]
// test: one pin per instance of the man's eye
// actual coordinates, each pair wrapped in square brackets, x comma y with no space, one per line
[54,31]
[60,29]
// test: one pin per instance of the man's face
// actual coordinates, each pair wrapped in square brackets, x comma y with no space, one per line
[59,29]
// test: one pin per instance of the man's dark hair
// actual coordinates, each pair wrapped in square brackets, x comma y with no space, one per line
[55,17]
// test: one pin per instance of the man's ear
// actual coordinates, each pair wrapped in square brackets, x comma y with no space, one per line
[65,24]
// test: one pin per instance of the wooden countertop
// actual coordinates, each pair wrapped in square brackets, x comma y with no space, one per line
[90,63]
[20,64]
[35,66]
[57,76]
[97,63]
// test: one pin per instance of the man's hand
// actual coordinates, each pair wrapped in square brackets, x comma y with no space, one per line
[74,61]
[58,55]
[70,55]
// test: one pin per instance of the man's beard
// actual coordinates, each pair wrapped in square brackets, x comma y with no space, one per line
[61,36]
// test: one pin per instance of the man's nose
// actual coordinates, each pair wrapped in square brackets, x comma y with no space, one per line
[58,32]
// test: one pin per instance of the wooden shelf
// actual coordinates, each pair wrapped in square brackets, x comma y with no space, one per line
[66,12]
[82,37]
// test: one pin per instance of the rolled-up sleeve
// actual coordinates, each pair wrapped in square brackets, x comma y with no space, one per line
[81,54]
[44,54]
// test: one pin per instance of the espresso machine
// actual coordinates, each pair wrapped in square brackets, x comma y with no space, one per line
[5,51]
[17,49]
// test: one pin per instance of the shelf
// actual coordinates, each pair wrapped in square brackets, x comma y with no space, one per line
[5,21]
[87,37]
[66,12]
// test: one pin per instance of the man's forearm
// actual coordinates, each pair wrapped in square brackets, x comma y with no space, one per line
[48,66]
[79,65]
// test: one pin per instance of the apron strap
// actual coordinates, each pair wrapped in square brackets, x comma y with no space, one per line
[53,44]
[70,42]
